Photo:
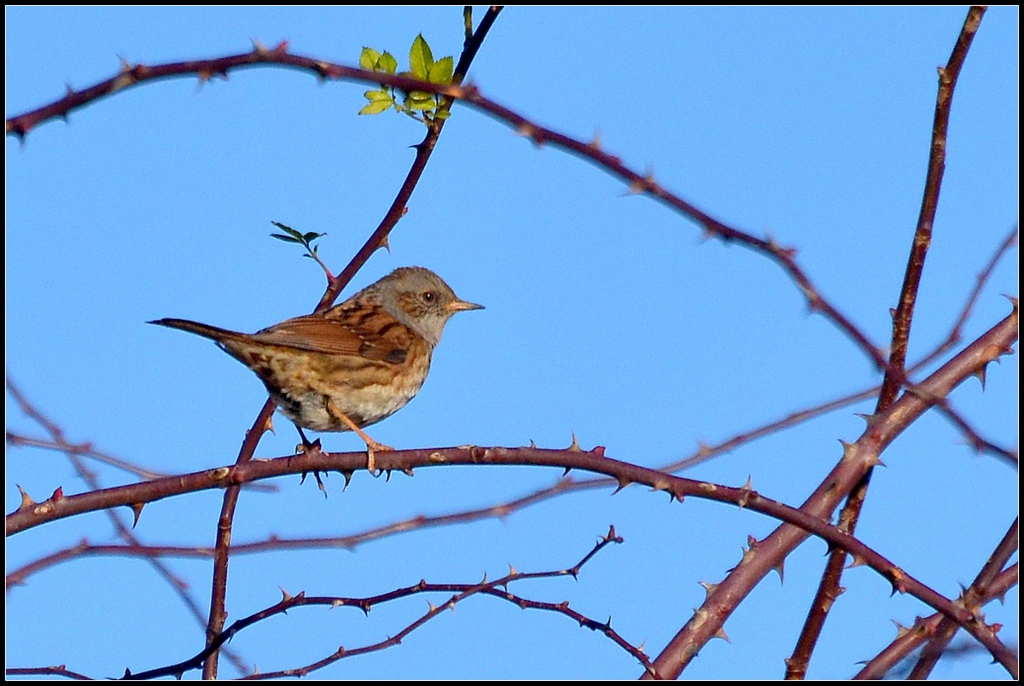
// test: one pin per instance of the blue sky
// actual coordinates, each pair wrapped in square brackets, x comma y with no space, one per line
[606,316]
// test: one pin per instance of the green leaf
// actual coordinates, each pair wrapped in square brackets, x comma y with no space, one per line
[420,100]
[420,96]
[442,114]
[369,58]
[373,96]
[442,71]
[421,59]
[286,239]
[376,107]
[419,105]
[387,63]
[287,229]
[312,236]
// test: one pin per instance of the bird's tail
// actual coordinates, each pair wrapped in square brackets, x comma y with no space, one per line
[204,330]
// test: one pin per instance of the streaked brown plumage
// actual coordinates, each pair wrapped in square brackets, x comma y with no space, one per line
[353,364]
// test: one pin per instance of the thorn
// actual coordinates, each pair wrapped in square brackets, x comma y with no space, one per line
[125,67]
[258,47]
[781,569]
[649,181]
[898,581]
[323,70]
[530,131]
[566,470]
[790,253]
[432,607]
[721,634]
[869,419]
[703,450]
[709,588]
[747,490]
[512,571]
[598,450]
[58,494]
[574,447]
[137,509]
[407,471]
[532,444]
[384,242]
[610,536]
[980,374]
[849,449]
[285,595]
[855,561]
[623,482]
[26,499]
[348,479]
[901,630]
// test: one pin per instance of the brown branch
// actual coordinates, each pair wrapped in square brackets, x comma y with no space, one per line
[123,531]
[132,76]
[56,670]
[895,375]
[378,239]
[496,588]
[858,458]
[908,639]
[882,430]
[956,332]
[933,184]
[811,520]
[972,598]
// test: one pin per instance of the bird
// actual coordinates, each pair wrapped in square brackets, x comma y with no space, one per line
[353,364]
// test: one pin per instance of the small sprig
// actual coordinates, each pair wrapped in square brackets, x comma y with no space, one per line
[290,235]
[420,105]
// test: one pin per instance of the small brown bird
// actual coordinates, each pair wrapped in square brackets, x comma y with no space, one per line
[351,365]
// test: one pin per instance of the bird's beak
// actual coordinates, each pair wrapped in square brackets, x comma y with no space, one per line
[460,305]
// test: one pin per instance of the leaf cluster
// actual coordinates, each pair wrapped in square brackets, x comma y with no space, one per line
[291,235]
[420,105]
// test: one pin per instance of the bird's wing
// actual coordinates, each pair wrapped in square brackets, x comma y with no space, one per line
[367,331]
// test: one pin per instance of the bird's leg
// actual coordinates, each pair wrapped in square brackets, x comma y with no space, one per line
[372,446]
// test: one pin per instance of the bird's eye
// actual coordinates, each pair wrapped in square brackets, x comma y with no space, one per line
[429,297]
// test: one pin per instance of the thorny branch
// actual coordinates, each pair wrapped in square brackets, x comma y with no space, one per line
[497,588]
[828,588]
